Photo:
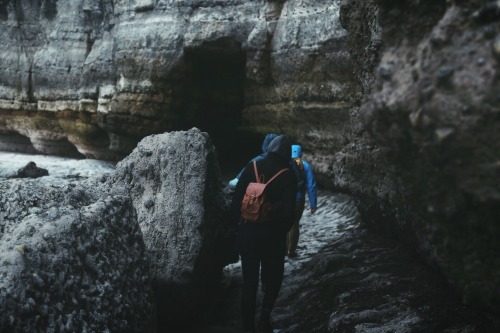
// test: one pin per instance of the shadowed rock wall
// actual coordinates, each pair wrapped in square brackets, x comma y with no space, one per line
[432,116]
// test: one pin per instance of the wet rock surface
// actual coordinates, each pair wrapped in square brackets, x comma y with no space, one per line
[62,170]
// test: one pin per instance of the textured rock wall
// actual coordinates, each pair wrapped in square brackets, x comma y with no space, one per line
[309,88]
[72,260]
[174,183]
[433,119]
[100,75]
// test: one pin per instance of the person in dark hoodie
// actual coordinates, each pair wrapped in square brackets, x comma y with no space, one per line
[265,144]
[262,245]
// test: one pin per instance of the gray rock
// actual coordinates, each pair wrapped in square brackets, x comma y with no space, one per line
[174,182]
[419,151]
[31,170]
[434,168]
[87,255]
[78,263]
[129,72]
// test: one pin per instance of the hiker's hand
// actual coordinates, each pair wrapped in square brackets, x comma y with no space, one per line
[313,210]
[233,182]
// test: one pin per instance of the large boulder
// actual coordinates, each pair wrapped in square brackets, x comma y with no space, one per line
[175,186]
[88,255]
[72,259]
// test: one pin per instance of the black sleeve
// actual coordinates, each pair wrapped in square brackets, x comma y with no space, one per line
[289,196]
[285,213]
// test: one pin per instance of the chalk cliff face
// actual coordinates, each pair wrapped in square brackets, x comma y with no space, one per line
[395,102]
[94,77]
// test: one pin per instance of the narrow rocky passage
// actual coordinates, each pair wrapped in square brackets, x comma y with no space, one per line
[347,279]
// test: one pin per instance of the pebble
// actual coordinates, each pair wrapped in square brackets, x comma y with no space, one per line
[443,133]
[21,249]
[496,47]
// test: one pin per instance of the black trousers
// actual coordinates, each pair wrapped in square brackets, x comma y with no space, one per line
[266,257]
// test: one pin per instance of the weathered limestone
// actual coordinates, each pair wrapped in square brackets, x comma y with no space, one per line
[174,183]
[133,69]
[71,260]
[395,102]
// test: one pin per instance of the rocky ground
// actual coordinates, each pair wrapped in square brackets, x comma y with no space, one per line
[347,279]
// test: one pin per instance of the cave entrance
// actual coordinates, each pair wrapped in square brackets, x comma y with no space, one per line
[212,99]
[14,142]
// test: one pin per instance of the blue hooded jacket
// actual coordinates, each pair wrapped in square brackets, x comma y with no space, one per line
[265,144]
[311,180]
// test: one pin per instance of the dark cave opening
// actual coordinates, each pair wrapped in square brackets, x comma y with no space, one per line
[11,141]
[209,92]
[212,98]
[15,142]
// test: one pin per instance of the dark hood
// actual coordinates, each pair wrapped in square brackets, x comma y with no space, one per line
[281,146]
[267,140]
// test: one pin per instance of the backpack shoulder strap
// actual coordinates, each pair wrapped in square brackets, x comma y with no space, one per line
[276,175]
[256,172]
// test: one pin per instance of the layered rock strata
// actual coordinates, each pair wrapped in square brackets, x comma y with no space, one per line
[99,76]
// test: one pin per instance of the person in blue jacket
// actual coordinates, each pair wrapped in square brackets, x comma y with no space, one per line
[306,176]
[265,144]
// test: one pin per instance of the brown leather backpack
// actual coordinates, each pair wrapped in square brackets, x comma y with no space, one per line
[255,206]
